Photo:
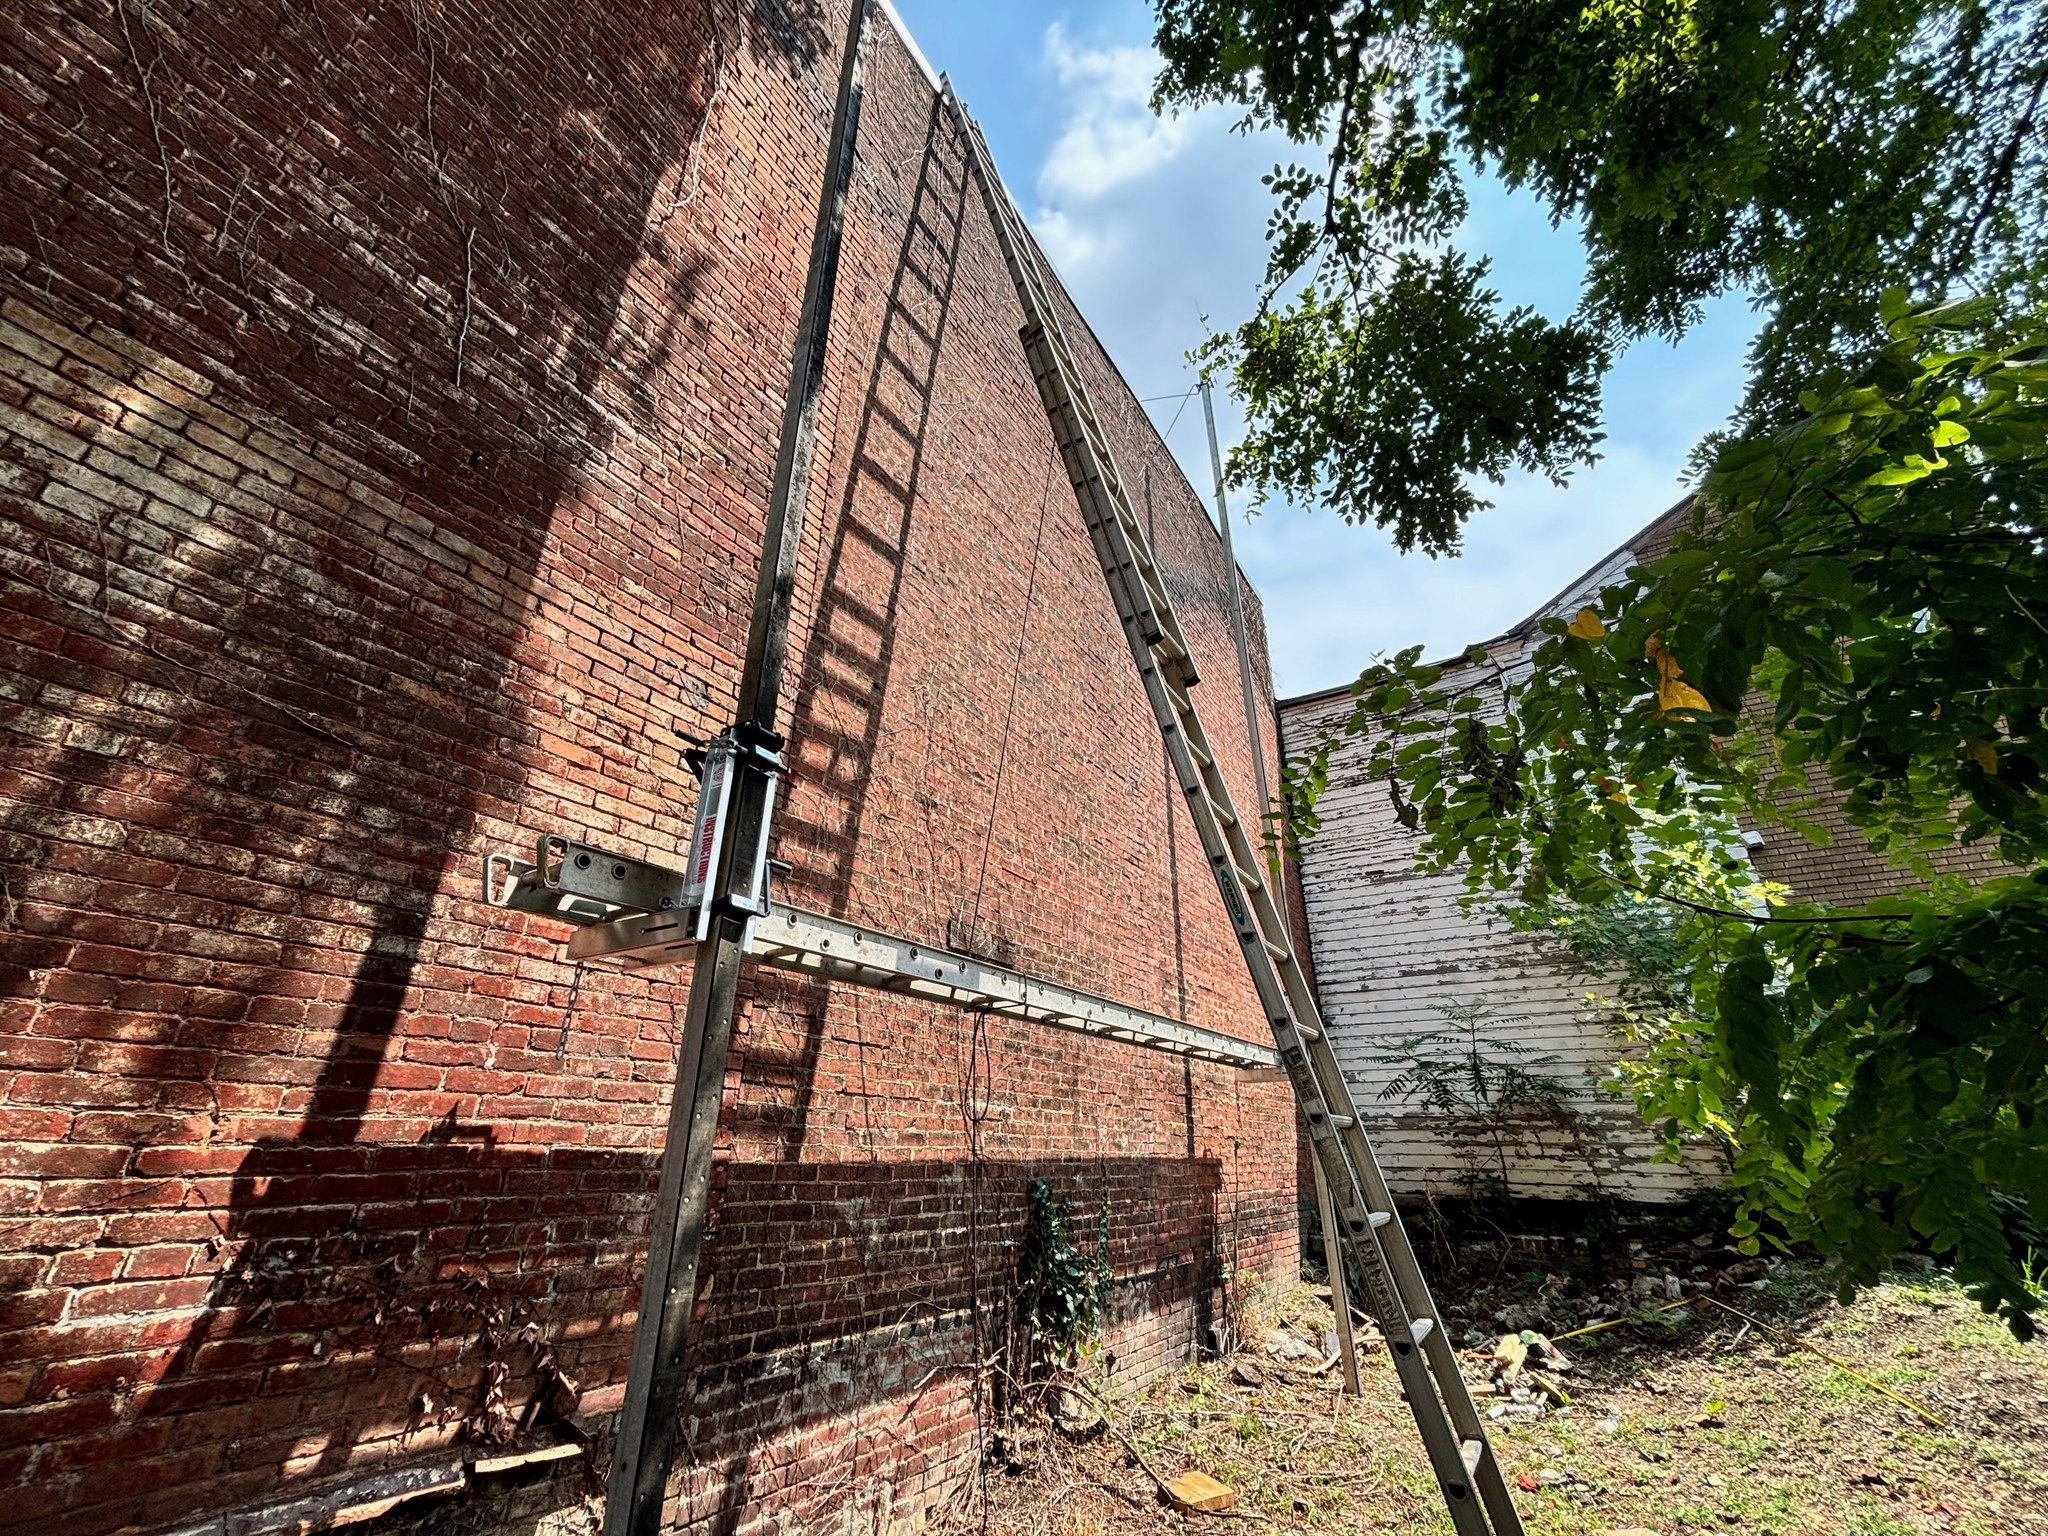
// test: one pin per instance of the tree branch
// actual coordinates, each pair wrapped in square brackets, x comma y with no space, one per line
[1755,919]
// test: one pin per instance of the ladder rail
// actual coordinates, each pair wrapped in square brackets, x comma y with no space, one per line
[1453,1435]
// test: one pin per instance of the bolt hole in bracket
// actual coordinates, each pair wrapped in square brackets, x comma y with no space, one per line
[578,883]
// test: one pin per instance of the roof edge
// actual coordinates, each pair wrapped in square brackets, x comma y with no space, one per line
[903,31]
[1681,508]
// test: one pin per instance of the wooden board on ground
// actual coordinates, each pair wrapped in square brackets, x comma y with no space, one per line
[1198,1490]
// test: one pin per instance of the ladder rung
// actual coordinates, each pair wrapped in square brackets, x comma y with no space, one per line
[1470,1452]
[1138,555]
[1419,1328]
[1277,951]
[1378,1219]
[1340,1122]
[1245,877]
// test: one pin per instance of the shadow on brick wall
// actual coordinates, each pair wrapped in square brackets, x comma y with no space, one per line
[844,676]
[314,316]
[849,1302]
[844,1309]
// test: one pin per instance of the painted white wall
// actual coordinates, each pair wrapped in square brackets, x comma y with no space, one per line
[1391,945]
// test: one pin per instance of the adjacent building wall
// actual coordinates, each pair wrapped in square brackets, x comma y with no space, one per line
[1396,946]
[388,406]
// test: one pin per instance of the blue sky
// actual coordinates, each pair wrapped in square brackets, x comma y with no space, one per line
[1157,228]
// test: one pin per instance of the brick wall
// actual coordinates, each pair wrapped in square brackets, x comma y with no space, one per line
[388,403]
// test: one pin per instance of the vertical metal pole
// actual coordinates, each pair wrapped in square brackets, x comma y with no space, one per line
[1333,1251]
[649,1421]
[1340,1292]
[1237,620]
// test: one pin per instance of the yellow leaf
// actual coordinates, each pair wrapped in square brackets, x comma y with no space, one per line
[1984,755]
[1679,694]
[1673,691]
[1586,626]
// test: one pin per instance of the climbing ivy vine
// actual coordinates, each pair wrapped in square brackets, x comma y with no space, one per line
[1061,1291]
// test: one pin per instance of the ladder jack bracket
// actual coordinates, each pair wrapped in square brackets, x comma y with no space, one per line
[622,906]
[641,916]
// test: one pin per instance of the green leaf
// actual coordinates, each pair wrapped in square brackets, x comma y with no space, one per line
[1750,1021]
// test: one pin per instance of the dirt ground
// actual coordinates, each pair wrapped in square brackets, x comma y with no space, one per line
[1687,1421]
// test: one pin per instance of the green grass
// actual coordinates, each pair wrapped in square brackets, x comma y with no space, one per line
[1749,1445]
[1750,1505]
[1973,1330]
[1869,1518]
[1837,1385]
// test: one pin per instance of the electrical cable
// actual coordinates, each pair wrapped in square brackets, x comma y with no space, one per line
[977,1068]
[1178,414]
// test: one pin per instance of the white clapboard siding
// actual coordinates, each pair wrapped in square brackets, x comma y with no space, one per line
[1392,945]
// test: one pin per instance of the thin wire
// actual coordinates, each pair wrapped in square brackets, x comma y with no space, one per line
[1153,399]
[977,1098]
[1010,710]
[1178,414]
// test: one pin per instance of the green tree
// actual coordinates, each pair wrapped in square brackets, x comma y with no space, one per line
[1862,605]
[1811,155]
[1863,599]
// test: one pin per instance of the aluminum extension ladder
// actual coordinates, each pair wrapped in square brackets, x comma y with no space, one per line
[1459,1452]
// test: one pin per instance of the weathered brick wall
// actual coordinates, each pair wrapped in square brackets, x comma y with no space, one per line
[388,403]
[1845,871]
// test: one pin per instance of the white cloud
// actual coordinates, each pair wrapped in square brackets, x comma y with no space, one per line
[1077,246]
[1152,222]
[1111,137]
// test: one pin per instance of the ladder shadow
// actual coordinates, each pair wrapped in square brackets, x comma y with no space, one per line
[848,655]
